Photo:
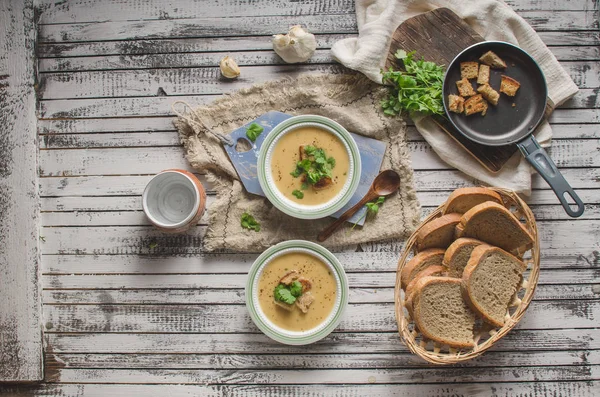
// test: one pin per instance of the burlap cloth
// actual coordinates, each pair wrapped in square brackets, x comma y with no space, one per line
[350,99]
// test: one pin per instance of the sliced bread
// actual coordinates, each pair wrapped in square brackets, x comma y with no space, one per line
[458,254]
[441,314]
[427,272]
[438,233]
[463,199]
[424,259]
[494,224]
[490,281]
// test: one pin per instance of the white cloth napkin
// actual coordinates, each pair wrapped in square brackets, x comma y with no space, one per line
[493,20]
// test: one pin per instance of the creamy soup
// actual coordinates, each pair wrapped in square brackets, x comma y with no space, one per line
[323,290]
[286,155]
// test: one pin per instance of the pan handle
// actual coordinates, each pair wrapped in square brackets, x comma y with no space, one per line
[540,160]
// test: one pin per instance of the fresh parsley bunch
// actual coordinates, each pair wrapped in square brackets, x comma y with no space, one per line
[417,89]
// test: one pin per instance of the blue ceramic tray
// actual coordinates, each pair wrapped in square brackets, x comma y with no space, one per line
[371,155]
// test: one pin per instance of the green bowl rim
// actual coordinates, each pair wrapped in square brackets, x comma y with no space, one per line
[309,213]
[333,321]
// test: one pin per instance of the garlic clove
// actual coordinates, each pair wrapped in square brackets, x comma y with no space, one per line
[229,68]
[297,45]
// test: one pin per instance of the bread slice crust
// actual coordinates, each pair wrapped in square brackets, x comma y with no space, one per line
[510,281]
[463,199]
[424,259]
[457,255]
[438,233]
[445,291]
[436,270]
[494,224]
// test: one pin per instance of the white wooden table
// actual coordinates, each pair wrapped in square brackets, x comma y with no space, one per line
[128,311]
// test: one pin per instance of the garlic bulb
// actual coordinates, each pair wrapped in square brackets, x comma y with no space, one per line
[296,46]
[229,68]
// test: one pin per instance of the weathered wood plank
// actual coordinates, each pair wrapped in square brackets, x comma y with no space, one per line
[181,45]
[328,376]
[204,80]
[77,11]
[569,41]
[133,203]
[158,126]
[150,160]
[234,318]
[377,342]
[229,296]
[531,389]
[138,218]
[564,238]
[243,57]
[160,106]
[354,361]
[20,331]
[267,25]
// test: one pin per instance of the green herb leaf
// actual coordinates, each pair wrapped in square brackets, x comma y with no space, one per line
[153,245]
[253,131]
[296,288]
[304,186]
[416,89]
[248,222]
[316,167]
[299,195]
[283,294]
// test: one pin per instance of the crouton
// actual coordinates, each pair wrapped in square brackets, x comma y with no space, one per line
[289,277]
[465,88]
[306,284]
[489,94]
[469,70]
[284,305]
[323,184]
[456,103]
[303,154]
[304,301]
[493,60]
[509,86]
[484,74]
[476,104]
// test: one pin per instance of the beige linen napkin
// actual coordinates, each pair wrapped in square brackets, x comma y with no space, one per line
[493,20]
[350,99]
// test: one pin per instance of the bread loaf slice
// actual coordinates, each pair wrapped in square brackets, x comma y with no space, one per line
[426,258]
[438,233]
[441,314]
[463,199]
[490,280]
[458,254]
[427,272]
[494,224]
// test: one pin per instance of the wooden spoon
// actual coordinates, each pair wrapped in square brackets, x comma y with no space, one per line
[386,183]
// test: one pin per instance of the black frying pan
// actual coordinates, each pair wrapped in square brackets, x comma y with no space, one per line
[507,124]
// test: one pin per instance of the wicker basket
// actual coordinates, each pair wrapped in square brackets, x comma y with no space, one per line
[488,335]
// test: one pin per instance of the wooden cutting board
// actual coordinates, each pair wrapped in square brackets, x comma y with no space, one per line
[439,36]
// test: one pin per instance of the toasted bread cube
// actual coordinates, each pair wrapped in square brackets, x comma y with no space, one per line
[456,103]
[484,74]
[304,301]
[465,88]
[490,58]
[306,283]
[323,183]
[469,70]
[509,86]
[489,94]
[289,277]
[476,104]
